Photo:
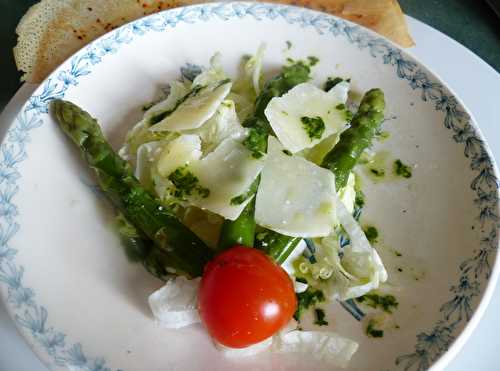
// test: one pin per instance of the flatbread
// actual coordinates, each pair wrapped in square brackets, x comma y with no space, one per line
[52,30]
[382,16]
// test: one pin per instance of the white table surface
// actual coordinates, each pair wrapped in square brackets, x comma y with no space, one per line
[478,85]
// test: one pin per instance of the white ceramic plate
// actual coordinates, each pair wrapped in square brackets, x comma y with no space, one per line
[81,305]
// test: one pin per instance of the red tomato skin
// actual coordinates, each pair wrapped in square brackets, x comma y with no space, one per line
[245,297]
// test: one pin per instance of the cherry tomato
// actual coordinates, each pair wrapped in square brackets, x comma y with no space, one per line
[245,297]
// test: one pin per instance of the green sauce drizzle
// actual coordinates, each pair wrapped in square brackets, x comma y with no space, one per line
[313,60]
[371,233]
[387,303]
[371,331]
[256,142]
[307,299]
[314,126]
[320,317]
[186,184]
[401,169]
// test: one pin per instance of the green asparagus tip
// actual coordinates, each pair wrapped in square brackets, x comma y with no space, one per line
[74,121]
[373,100]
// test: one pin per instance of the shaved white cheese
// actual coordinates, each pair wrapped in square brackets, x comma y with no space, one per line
[227,172]
[177,153]
[224,124]
[327,347]
[175,305]
[247,351]
[145,155]
[285,114]
[195,110]
[295,196]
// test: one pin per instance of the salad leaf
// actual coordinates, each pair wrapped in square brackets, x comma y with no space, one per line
[196,109]
[223,124]
[178,91]
[175,305]
[212,75]
[247,87]
[326,346]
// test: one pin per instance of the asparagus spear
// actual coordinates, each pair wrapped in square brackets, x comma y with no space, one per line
[180,249]
[344,156]
[242,230]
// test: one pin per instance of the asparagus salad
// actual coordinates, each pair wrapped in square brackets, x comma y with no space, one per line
[240,195]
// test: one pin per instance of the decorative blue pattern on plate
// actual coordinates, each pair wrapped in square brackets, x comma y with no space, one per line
[473,272]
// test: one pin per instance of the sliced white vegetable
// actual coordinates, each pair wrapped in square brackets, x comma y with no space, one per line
[178,90]
[348,194]
[295,196]
[299,286]
[327,347]
[125,152]
[177,153]
[226,172]
[145,155]
[253,67]
[245,352]
[175,305]
[224,124]
[195,110]
[306,100]
[360,259]
[213,74]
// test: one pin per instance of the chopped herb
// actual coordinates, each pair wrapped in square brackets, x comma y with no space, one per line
[340,106]
[287,152]
[313,60]
[387,303]
[371,331]
[186,184]
[398,254]
[307,299]
[359,203]
[256,141]
[314,126]
[400,269]
[377,172]
[320,317]
[288,44]
[331,82]
[238,200]
[371,233]
[401,169]
[285,113]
